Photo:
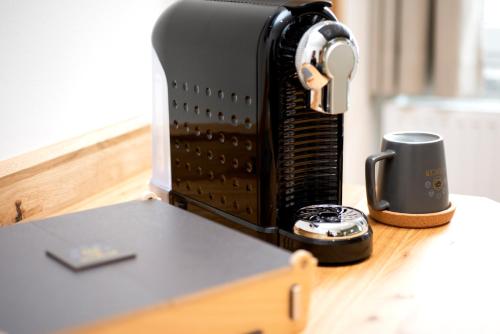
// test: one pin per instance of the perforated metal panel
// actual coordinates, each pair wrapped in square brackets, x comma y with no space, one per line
[213,147]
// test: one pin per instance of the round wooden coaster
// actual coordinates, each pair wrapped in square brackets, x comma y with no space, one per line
[409,220]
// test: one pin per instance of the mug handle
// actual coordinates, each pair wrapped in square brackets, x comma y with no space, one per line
[370,179]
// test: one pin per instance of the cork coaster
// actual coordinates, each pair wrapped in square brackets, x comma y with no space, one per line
[408,220]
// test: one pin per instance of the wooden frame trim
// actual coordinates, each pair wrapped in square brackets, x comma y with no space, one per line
[262,300]
[43,182]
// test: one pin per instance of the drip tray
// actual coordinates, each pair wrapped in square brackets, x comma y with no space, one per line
[334,234]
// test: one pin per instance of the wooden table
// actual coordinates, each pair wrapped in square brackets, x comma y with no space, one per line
[439,280]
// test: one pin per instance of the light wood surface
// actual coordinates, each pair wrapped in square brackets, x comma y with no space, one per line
[436,280]
[46,182]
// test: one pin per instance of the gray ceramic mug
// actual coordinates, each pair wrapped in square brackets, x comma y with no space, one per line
[412,174]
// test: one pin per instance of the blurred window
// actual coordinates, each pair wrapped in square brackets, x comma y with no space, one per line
[491,47]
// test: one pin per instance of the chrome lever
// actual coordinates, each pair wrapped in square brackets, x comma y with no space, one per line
[326,60]
[339,64]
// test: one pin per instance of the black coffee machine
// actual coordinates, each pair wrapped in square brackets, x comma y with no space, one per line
[256,93]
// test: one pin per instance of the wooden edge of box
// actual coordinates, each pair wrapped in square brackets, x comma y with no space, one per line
[274,302]
[44,182]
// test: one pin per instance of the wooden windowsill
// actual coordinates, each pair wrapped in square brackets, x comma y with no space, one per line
[54,179]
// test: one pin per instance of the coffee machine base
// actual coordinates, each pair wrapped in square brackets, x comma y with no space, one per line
[327,252]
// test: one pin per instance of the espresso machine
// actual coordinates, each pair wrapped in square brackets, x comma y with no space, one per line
[248,123]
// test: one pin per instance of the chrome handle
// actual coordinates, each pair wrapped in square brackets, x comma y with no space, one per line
[326,60]
[340,62]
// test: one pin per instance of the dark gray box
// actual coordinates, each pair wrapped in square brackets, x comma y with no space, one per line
[178,253]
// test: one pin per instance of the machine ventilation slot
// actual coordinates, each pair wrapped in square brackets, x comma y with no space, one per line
[310,143]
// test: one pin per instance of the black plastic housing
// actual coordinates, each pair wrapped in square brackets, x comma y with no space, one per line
[246,150]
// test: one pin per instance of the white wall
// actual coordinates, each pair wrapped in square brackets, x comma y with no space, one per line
[72,66]
[69,67]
